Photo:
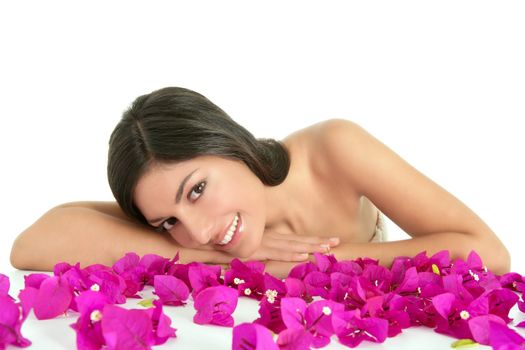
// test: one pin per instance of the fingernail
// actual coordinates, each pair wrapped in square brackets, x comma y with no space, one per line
[325,247]
[302,256]
[334,240]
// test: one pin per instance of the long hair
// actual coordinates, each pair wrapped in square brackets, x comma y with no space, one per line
[174,124]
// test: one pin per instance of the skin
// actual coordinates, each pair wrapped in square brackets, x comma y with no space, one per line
[339,177]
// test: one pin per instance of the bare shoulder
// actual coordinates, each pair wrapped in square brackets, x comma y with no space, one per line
[325,145]
[106,207]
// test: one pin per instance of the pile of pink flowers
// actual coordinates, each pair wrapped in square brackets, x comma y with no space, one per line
[353,301]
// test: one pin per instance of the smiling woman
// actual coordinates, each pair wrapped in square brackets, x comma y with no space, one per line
[179,165]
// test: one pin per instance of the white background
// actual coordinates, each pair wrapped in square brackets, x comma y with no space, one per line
[441,83]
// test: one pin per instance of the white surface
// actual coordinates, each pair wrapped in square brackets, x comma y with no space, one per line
[441,83]
[56,334]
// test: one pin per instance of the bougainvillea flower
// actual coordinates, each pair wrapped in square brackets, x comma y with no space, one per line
[348,267]
[456,316]
[410,282]
[134,274]
[108,282]
[295,339]
[325,262]
[319,321]
[360,289]
[513,281]
[247,336]
[181,272]
[391,307]
[454,284]
[299,271]
[503,338]
[202,276]
[34,280]
[126,329]
[295,288]
[315,318]
[270,305]
[10,324]
[480,327]
[154,265]
[161,323]
[293,312]
[436,263]
[317,284]
[215,305]
[171,290]
[4,285]
[453,316]
[247,278]
[75,276]
[53,298]
[88,327]
[380,277]
[364,262]
[500,302]
[339,283]
[351,329]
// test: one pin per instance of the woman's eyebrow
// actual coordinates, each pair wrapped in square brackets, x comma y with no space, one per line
[181,186]
[177,198]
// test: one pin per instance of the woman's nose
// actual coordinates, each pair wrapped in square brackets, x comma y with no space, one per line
[199,229]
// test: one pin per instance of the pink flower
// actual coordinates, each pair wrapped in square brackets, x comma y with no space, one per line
[4,285]
[161,323]
[10,323]
[503,338]
[270,305]
[351,329]
[53,298]
[247,278]
[215,305]
[88,326]
[134,274]
[247,336]
[126,329]
[315,319]
[171,290]
[202,276]
[108,282]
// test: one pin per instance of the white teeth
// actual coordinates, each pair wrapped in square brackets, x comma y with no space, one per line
[231,231]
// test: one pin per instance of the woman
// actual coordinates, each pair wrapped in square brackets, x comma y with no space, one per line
[180,166]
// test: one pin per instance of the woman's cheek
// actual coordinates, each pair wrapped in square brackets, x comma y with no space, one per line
[183,239]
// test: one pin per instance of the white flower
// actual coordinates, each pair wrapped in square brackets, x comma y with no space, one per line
[238,280]
[327,311]
[95,316]
[95,287]
[475,276]
[464,314]
[271,294]
[247,291]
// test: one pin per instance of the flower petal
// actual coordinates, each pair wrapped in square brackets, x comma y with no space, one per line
[53,298]
[252,336]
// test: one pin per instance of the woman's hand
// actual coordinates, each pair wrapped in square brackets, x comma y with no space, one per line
[291,247]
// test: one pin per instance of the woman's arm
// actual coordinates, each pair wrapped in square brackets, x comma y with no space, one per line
[94,232]
[433,217]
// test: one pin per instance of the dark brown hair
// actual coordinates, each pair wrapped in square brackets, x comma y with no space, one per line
[176,124]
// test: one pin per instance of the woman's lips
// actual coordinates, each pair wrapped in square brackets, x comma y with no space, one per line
[236,235]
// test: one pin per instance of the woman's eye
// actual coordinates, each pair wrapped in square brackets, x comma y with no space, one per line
[168,224]
[197,191]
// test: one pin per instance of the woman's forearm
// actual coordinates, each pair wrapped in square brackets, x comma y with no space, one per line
[493,253]
[78,234]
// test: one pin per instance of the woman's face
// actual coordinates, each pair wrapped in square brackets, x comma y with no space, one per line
[205,201]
